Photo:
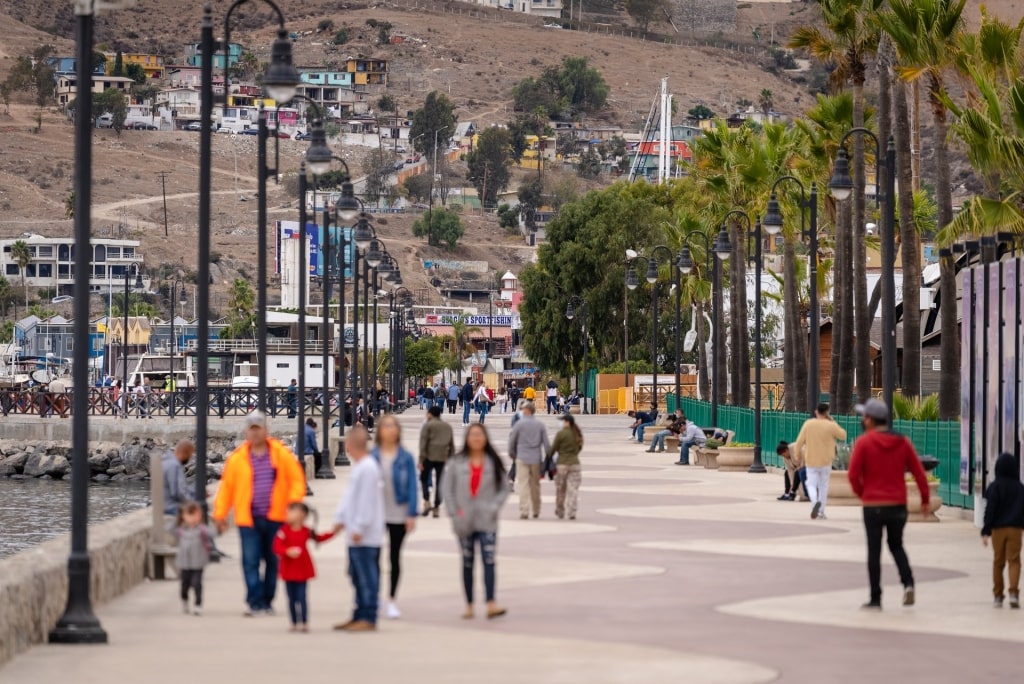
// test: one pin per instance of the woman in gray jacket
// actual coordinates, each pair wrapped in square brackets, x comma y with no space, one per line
[475,488]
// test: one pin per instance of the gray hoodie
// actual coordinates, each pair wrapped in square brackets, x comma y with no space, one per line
[470,513]
[528,441]
[194,546]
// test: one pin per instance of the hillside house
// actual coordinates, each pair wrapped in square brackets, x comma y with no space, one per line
[67,86]
[365,71]
[68,65]
[193,56]
[52,263]
[542,8]
[152,65]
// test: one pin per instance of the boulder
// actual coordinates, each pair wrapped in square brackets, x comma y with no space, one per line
[16,460]
[6,470]
[41,463]
[135,459]
[100,477]
[98,463]
[115,471]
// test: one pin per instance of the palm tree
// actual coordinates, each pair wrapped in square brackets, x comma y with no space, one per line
[22,256]
[69,205]
[849,39]
[460,332]
[925,33]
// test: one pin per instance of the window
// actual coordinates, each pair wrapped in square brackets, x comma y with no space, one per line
[45,270]
[63,271]
[113,252]
[30,270]
[128,252]
[100,253]
[46,251]
[70,343]
[12,269]
[63,252]
[284,365]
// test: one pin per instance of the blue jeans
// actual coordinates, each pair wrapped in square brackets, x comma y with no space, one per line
[658,440]
[640,431]
[364,569]
[487,541]
[684,450]
[298,609]
[552,404]
[483,410]
[256,548]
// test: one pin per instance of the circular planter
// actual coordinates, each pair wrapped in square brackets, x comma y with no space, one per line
[711,458]
[840,493]
[735,459]
[914,511]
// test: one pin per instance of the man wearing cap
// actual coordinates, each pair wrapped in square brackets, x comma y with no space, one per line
[877,470]
[261,479]
[815,447]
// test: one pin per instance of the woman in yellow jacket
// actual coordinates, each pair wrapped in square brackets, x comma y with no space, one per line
[260,479]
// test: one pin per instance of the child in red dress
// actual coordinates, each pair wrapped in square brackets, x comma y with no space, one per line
[296,568]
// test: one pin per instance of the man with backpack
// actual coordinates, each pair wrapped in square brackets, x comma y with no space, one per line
[467,400]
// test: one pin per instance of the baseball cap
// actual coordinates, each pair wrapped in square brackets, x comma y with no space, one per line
[256,419]
[873,408]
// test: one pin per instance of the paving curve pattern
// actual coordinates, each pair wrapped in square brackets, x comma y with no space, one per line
[669,575]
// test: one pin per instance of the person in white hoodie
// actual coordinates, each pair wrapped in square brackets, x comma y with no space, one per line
[361,514]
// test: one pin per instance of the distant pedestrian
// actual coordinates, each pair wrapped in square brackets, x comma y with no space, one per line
[261,478]
[437,445]
[552,396]
[195,542]
[501,400]
[291,394]
[428,396]
[453,397]
[567,444]
[398,469]
[361,514]
[877,471]
[308,452]
[794,476]
[467,400]
[291,546]
[440,395]
[482,401]
[528,446]
[815,449]
[530,394]
[514,395]
[172,464]
[421,395]
[475,489]
[1004,523]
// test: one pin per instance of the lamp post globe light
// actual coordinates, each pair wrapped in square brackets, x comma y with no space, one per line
[773,224]
[686,266]
[577,308]
[177,290]
[841,186]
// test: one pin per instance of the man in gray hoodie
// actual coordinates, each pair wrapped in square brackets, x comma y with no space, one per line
[175,485]
[527,446]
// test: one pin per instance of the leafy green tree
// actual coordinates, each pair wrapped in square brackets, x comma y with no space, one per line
[41,311]
[6,294]
[589,165]
[7,332]
[325,25]
[489,164]
[241,313]
[418,187]
[531,94]
[114,102]
[69,205]
[32,73]
[459,346]
[508,217]
[700,112]
[136,73]
[387,103]
[118,64]
[341,37]
[377,167]
[573,88]
[531,197]
[423,357]
[436,118]
[442,228]
[644,12]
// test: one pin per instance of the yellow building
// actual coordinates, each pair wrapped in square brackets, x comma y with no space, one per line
[368,71]
[153,65]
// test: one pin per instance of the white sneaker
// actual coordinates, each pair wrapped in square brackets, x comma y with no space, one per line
[184,607]
[197,611]
[392,611]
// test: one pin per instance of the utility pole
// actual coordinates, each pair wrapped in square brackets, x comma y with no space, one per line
[163,187]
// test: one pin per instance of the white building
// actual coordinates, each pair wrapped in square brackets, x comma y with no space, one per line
[67,86]
[51,263]
[543,8]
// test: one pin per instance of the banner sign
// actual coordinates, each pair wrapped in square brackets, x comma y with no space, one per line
[449,319]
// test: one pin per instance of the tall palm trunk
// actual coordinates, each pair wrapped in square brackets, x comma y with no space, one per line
[844,383]
[793,356]
[949,353]
[862,319]
[703,380]
[909,245]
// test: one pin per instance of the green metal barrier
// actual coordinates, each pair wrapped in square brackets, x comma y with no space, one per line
[940,439]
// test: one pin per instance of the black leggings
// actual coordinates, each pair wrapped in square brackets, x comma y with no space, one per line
[192,579]
[396,533]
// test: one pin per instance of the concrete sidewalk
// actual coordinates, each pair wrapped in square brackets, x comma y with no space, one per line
[671,574]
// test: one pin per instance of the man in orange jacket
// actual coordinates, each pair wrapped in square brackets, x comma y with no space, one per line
[260,479]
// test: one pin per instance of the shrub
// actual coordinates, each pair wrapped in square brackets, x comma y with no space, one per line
[325,25]
[341,37]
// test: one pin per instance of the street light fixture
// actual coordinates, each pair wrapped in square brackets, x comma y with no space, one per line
[577,307]
[773,222]
[282,80]
[841,186]
[686,266]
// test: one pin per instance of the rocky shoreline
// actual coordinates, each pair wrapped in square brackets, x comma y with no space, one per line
[108,461]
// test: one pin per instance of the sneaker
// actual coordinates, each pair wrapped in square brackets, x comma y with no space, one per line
[197,611]
[342,626]
[1014,600]
[649,451]
[822,516]
[872,606]
[816,510]
[184,607]
[908,595]
[682,463]
[426,510]
[495,612]
[268,612]
[784,497]
[437,512]
[997,602]
[392,611]
[360,626]
[250,612]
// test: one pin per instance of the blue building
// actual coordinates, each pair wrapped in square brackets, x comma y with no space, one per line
[193,57]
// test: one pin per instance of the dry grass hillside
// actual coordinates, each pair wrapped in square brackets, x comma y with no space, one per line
[476,59]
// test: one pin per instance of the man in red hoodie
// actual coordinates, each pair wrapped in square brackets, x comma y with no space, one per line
[878,465]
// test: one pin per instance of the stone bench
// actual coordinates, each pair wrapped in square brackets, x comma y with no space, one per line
[672,444]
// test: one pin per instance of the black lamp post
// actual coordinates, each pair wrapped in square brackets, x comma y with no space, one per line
[175,285]
[632,282]
[577,307]
[842,187]
[773,224]
[397,319]
[137,269]
[78,624]
[281,82]
[363,235]
[685,267]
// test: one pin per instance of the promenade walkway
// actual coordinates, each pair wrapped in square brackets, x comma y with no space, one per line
[669,575]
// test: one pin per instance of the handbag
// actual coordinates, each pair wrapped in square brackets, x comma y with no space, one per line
[512,472]
[549,468]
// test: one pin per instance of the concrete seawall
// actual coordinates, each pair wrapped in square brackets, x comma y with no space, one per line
[34,585]
[119,431]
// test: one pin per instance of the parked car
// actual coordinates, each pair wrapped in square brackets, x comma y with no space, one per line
[303,136]
[143,126]
[399,164]
[105,121]
[249,131]
[196,126]
[413,158]
[400,149]
[60,299]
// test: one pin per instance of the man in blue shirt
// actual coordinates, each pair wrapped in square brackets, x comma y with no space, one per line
[467,400]
[641,420]
[307,447]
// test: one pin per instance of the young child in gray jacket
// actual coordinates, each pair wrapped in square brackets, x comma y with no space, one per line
[195,541]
